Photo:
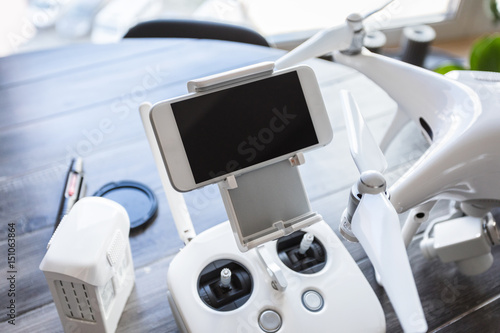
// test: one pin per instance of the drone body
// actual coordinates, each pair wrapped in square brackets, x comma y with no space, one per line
[463,160]
[459,117]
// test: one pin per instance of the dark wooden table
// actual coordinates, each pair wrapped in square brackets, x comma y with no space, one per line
[83,100]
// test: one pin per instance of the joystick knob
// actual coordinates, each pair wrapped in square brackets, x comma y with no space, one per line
[225,277]
[302,252]
[306,242]
[225,285]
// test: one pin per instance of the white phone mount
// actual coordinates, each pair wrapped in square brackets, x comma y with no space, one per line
[269,202]
[266,204]
[230,77]
[257,209]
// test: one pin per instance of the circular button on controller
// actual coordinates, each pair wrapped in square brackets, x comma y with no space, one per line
[270,321]
[312,300]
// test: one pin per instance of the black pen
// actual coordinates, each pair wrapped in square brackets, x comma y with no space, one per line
[73,190]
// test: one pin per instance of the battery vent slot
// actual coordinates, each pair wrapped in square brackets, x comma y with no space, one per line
[75,300]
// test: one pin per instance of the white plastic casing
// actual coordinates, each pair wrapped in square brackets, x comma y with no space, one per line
[461,111]
[88,266]
[266,204]
[461,240]
[350,305]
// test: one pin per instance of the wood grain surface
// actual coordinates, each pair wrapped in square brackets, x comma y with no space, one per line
[83,100]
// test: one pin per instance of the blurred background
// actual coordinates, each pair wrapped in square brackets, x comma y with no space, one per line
[27,25]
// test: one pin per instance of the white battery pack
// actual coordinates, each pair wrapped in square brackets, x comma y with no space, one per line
[88,266]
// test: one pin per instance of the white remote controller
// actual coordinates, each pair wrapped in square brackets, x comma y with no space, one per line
[327,293]
[275,266]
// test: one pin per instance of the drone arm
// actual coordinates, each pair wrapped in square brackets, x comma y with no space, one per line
[417,91]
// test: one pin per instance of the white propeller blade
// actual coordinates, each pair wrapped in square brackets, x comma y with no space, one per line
[376,225]
[335,38]
[369,13]
[364,149]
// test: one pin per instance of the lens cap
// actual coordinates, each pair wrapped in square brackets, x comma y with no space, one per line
[137,199]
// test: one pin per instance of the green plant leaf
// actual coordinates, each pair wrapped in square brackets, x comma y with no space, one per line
[448,68]
[494,7]
[485,54]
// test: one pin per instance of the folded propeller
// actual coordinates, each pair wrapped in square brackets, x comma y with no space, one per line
[375,223]
[347,37]
[370,218]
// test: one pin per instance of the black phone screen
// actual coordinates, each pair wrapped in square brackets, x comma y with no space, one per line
[244,125]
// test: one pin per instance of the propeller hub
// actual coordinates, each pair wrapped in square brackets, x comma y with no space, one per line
[371,182]
[356,21]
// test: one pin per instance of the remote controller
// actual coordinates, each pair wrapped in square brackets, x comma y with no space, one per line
[275,266]
[303,282]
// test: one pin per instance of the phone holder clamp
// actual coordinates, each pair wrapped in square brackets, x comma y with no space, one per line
[231,77]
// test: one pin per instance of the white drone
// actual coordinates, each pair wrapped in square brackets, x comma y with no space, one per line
[459,116]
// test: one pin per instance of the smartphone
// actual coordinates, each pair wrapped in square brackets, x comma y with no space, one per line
[204,137]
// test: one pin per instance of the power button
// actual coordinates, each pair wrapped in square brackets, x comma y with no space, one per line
[312,300]
[270,321]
